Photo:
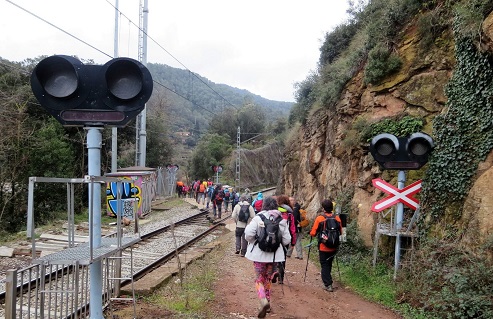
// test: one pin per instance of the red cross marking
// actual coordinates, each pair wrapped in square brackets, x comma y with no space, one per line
[396,195]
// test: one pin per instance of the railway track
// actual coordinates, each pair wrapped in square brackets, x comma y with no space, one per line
[159,243]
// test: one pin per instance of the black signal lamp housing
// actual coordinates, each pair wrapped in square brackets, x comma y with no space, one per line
[401,153]
[91,95]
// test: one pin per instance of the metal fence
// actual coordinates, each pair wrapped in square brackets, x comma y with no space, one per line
[54,291]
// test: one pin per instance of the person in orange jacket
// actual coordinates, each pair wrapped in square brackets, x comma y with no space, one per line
[326,254]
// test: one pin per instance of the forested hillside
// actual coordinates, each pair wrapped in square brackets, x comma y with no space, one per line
[179,115]
[193,98]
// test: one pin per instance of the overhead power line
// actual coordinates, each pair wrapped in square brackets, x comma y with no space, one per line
[110,56]
[171,55]
[60,29]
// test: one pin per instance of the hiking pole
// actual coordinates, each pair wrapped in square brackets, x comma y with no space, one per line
[308,258]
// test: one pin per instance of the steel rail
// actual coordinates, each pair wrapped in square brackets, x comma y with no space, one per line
[25,287]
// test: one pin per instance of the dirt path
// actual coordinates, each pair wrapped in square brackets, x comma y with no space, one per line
[236,296]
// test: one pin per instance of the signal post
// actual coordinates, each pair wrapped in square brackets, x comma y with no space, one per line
[92,96]
[400,153]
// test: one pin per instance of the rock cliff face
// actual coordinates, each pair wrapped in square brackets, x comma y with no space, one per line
[319,162]
[259,167]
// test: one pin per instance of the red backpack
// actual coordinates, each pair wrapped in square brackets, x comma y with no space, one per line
[258,205]
[220,196]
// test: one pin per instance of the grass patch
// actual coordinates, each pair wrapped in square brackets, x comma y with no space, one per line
[374,284]
[190,295]
[7,237]
[174,202]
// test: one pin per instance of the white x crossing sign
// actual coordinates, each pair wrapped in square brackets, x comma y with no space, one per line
[396,195]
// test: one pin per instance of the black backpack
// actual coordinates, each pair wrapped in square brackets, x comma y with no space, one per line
[244,213]
[269,237]
[219,196]
[330,232]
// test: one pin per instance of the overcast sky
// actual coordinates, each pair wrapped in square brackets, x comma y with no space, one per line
[263,46]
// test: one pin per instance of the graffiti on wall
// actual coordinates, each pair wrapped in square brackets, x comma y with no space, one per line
[129,195]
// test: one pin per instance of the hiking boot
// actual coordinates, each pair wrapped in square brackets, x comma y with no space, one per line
[329,288]
[274,277]
[301,258]
[264,306]
[237,252]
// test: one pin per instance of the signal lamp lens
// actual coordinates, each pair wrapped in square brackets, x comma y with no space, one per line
[58,77]
[385,147]
[419,147]
[124,79]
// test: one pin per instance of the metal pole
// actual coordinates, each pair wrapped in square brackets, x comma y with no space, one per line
[94,141]
[238,160]
[143,114]
[114,130]
[308,257]
[399,216]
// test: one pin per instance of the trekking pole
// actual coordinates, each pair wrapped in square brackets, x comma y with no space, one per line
[308,258]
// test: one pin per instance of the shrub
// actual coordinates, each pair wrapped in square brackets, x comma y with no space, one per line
[398,127]
[449,281]
[336,42]
[381,63]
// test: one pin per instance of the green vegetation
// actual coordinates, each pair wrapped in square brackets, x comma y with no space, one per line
[449,280]
[209,152]
[205,100]
[404,126]
[35,144]
[463,135]
[362,131]
[368,37]
[381,63]
[190,293]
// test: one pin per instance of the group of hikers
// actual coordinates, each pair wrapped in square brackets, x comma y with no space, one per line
[206,193]
[268,230]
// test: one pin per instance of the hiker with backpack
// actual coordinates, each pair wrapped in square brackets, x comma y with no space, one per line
[284,206]
[266,235]
[327,227]
[201,193]
[208,198]
[227,199]
[257,203]
[236,198]
[217,200]
[299,230]
[242,214]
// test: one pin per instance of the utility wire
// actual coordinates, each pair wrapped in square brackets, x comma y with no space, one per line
[171,55]
[200,106]
[110,56]
[60,29]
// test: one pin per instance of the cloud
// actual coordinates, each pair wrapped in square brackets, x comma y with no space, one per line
[263,46]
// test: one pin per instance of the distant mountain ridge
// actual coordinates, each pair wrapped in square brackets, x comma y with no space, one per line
[207,97]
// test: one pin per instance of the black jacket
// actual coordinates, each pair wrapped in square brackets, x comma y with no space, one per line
[297,216]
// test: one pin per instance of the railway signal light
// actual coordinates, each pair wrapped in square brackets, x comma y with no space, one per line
[401,153]
[91,95]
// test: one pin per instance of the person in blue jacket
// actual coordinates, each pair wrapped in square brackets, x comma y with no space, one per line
[257,204]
